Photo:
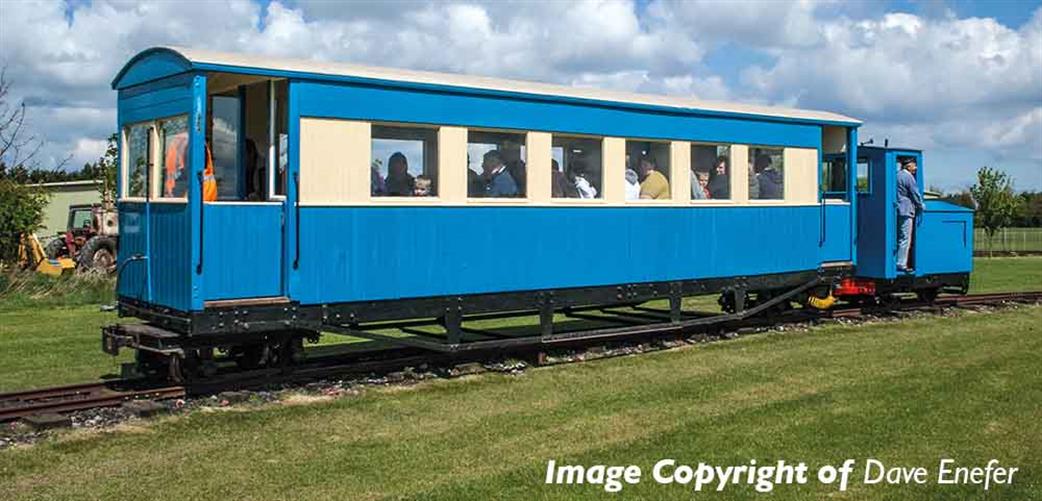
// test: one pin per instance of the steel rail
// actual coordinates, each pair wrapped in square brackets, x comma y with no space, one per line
[75,397]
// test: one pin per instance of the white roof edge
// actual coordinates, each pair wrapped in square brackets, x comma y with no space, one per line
[59,184]
[497,84]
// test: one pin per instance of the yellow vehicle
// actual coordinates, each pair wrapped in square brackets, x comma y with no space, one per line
[31,255]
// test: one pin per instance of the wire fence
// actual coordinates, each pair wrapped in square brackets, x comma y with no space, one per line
[1009,240]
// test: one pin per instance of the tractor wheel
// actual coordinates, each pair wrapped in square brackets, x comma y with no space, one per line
[56,249]
[99,255]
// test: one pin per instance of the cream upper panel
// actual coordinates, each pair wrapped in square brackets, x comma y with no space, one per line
[335,159]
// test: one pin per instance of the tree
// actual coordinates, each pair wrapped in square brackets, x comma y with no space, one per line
[962,199]
[21,207]
[1031,213]
[21,212]
[996,203]
[103,172]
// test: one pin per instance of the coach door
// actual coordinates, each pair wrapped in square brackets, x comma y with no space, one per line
[244,193]
[876,217]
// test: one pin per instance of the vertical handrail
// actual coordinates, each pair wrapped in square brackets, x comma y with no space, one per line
[202,219]
[296,223]
[149,165]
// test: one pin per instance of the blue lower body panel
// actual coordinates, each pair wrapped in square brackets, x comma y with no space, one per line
[242,250]
[161,234]
[944,243]
[376,253]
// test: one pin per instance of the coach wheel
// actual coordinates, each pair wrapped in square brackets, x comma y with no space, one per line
[727,302]
[175,369]
[250,356]
[927,295]
[764,296]
[149,363]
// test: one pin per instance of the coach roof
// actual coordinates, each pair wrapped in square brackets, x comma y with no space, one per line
[171,60]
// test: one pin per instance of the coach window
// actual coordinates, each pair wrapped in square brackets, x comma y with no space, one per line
[280,141]
[834,177]
[173,157]
[496,164]
[864,183]
[223,139]
[647,170]
[710,172]
[405,161]
[136,139]
[576,167]
[766,174]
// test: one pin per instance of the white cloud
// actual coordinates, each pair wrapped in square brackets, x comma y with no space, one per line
[936,82]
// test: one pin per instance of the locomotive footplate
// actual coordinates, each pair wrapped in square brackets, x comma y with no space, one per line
[140,337]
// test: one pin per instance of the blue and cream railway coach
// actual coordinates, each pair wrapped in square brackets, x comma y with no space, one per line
[260,197]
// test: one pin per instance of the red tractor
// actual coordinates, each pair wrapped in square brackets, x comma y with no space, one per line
[91,239]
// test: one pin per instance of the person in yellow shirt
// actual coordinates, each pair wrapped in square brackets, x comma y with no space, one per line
[655,186]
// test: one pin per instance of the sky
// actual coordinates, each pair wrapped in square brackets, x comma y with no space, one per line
[961,80]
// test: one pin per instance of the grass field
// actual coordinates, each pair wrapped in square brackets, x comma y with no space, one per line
[1006,274]
[910,393]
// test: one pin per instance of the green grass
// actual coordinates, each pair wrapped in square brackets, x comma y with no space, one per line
[1001,274]
[910,393]
[28,290]
[53,346]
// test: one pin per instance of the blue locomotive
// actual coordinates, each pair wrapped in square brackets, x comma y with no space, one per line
[262,201]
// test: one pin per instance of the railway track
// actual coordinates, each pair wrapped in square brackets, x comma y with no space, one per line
[63,399]
[60,399]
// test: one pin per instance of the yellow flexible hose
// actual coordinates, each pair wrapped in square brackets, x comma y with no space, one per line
[822,303]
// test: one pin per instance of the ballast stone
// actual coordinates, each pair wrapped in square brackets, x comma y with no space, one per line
[48,421]
[144,408]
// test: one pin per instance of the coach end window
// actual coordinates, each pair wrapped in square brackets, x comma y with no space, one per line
[496,164]
[648,171]
[766,174]
[576,167]
[710,172]
[136,159]
[404,161]
[173,158]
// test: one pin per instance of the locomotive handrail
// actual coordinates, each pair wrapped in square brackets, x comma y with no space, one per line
[202,211]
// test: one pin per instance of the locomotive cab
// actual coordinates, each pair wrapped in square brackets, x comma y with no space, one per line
[941,253]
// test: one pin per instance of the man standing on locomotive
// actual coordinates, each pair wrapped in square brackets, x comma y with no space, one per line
[909,203]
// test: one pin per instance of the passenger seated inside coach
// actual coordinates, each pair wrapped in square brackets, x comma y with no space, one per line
[399,182]
[560,186]
[496,178]
[376,181]
[423,187]
[655,186]
[700,188]
[720,180]
[768,179]
[632,185]
[583,187]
